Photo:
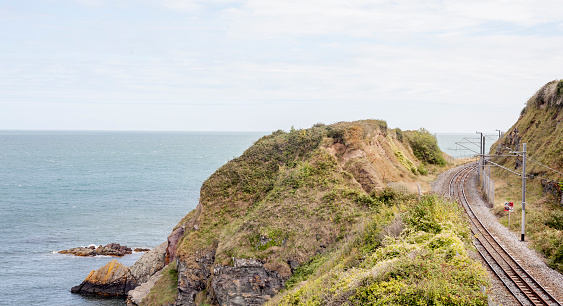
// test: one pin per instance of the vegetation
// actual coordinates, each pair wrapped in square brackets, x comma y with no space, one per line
[295,175]
[539,127]
[544,216]
[293,195]
[412,252]
[425,147]
[165,289]
[560,88]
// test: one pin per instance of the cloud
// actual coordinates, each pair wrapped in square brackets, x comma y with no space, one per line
[380,57]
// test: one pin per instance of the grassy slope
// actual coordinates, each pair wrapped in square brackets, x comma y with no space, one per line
[292,195]
[539,126]
[412,252]
[164,290]
[296,191]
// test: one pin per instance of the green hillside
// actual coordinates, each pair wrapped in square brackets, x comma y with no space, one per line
[306,203]
[540,127]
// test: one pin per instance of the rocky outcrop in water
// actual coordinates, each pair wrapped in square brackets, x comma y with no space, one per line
[113,279]
[112,249]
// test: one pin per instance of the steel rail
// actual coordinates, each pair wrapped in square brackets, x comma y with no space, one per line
[520,283]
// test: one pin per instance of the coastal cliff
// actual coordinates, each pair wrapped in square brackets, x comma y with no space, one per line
[304,201]
[288,197]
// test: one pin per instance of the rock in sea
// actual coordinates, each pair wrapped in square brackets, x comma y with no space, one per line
[112,249]
[113,279]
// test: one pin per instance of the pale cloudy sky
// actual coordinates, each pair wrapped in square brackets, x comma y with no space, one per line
[263,65]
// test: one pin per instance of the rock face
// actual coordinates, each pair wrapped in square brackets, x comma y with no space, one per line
[193,278]
[135,296]
[112,249]
[113,279]
[150,263]
[173,240]
[247,283]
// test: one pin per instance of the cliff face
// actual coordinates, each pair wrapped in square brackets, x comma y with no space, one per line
[287,198]
[539,126]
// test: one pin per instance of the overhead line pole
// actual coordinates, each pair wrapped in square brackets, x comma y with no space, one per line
[481,155]
[523,192]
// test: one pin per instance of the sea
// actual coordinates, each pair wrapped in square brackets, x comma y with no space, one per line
[64,189]
[464,145]
[60,190]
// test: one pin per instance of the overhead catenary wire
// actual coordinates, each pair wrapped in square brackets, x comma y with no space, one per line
[537,162]
[519,174]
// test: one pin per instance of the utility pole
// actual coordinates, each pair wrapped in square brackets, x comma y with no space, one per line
[483,161]
[523,191]
[523,152]
[481,150]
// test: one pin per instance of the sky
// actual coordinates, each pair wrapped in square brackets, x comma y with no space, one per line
[263,65]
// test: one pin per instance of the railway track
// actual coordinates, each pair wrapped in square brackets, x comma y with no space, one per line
[521,284]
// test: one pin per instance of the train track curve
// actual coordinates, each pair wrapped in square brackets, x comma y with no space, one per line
[518,282]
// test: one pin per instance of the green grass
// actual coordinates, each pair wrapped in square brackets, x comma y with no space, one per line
[165,289]
[413,252]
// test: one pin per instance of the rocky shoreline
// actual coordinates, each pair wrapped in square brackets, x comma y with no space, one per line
[115,279]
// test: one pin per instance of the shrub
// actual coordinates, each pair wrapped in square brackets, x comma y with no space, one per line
[556,220]
[303,271]
[388,196]
[425,147]
[399,134]
[422,169]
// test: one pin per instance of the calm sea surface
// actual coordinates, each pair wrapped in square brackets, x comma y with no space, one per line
[60,190]
[464,145]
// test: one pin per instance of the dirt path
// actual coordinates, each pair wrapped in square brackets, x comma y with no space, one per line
[529,259]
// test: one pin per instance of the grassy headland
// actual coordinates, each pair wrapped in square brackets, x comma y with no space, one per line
[314,202]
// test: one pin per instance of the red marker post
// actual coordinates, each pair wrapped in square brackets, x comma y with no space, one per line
[509,206]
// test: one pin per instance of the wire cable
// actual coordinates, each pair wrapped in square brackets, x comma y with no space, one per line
[537,162]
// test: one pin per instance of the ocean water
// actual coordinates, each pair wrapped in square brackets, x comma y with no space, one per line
[60,190]
[464,145]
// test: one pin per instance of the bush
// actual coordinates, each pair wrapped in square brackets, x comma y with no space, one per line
[422,169]
[303,271]
[556,220]
[399,134]
[425,147]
